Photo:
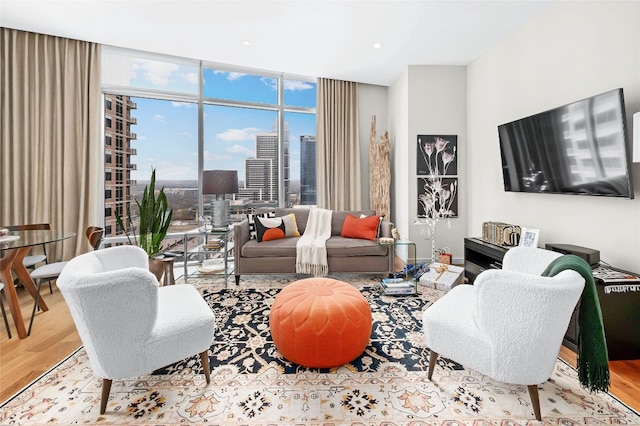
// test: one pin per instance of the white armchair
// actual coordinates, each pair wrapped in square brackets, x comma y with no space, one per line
[510,323]
[127,323]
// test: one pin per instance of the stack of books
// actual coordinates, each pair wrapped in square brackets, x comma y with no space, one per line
[397,286]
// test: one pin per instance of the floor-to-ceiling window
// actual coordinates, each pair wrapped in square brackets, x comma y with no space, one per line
[181,116]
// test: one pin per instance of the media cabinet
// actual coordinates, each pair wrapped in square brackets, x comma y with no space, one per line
[620,310]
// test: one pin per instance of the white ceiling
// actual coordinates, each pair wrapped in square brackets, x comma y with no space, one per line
[331,38]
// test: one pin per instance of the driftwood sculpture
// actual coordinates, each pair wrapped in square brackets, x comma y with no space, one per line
[379,172]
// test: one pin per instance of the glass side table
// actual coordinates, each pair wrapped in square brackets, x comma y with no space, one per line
[408,285]
[216,243]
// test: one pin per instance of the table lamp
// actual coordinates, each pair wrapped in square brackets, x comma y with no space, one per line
[220,183]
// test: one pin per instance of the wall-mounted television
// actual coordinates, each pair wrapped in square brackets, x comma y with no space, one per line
[580,148]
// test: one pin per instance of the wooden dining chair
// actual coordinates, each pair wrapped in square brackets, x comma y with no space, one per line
[32,260]
[47,272]
[95,235]
[4,313]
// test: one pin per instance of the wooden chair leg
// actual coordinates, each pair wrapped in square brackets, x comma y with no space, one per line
[204,360]
[106,388]
[35,305]
[535,400]
[433,357]
[4,314]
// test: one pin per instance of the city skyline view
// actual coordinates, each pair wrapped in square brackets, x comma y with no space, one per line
[167,130]
[152,122]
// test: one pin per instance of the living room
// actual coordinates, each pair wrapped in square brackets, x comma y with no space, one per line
[566,52]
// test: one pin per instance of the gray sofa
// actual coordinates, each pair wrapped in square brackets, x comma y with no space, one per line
[343,254]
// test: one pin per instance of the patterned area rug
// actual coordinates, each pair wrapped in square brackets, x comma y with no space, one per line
[252,384]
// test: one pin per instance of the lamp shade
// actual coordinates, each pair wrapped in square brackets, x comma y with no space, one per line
[219,182]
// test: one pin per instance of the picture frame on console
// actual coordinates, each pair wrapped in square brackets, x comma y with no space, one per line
[529,237]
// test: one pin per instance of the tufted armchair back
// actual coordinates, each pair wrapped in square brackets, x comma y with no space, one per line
[510,323]
[113,299]
[128,324]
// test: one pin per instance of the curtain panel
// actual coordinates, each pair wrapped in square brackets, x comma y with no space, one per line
[337,145]
[50,127]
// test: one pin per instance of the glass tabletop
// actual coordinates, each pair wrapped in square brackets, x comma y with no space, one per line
[18,239]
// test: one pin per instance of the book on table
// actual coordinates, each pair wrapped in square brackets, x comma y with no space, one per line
[397,285]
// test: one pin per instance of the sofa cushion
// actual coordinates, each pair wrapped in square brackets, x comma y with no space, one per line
[349,247]
[284,247]
[365,227]
[336,247]
[301,214]
[252,222]
[276,228]
[337,219]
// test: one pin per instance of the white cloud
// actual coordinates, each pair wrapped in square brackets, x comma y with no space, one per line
[156,72]
[236,135]
[183,104]
[159,117]
[209,156]
[297,85]
[234,76]
[191,77]
[231,76]
[242,150]
[270,82]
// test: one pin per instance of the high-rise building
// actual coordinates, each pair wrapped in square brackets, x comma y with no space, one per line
[261,173]
[308,170]
[117,158]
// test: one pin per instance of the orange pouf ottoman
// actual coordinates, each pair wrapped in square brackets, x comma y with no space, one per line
[320,322]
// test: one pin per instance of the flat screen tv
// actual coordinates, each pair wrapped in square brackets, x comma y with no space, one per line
[580,148]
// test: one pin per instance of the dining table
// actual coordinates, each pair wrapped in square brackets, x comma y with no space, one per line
[14,246]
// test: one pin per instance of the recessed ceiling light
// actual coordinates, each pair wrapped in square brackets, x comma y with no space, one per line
[246,42]
[377,45]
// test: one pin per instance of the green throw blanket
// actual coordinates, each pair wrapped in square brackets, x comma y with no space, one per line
[593,360]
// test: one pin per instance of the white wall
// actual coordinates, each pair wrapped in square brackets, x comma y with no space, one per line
[570,51]
[372,100]
[427,100]
[438,106]
[398,137]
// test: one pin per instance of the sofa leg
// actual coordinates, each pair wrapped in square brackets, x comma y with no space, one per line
[433,357]
[535,401]
[237,279]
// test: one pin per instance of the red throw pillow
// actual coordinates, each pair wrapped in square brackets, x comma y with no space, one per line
[365,228]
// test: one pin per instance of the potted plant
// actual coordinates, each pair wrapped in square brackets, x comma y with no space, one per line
[155,218]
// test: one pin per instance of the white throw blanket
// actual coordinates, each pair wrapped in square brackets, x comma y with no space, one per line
[311,251]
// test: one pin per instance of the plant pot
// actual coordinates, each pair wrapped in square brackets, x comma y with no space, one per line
[156,266]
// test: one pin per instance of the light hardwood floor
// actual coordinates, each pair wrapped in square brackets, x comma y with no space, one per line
[54,337]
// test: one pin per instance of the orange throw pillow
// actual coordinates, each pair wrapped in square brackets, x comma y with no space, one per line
[365,228]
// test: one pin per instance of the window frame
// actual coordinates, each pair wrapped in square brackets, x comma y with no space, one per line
[201,101]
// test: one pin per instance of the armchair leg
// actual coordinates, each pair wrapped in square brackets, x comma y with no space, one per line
[106,388]
[237,279]
[204,360]
[433,357]
[535,400]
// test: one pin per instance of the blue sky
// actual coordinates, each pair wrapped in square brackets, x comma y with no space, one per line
[167,131]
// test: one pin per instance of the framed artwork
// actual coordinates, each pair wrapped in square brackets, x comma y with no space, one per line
[437,197]
[529,237]
[437,155]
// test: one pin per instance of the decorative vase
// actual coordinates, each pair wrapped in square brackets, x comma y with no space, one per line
[156,266]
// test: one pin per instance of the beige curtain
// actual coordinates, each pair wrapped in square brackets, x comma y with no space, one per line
[50,123]
[337,145]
